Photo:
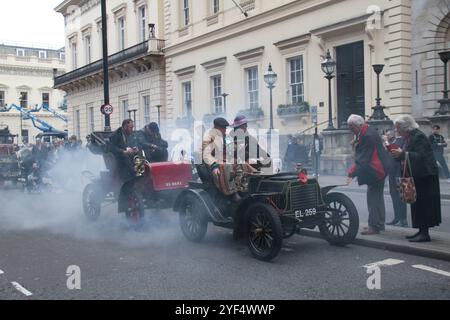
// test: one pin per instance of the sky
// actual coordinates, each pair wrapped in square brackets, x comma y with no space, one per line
[32,22]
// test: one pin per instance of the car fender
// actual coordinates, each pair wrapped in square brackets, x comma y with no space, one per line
[212,212]
[327,189]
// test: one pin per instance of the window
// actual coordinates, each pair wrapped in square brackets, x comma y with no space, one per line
[121,24]
[77,123]
[142,24]
[88,49]
[91,118]
[42,54]
[46,99]
[296,81]
[216,82]
[20,52]
[186,12]
[124,108]
[24,99]
[25,137]
[2,99]
[146,100]
[252,88]
[74,56]
[187,99]
[215,6]
[62,56]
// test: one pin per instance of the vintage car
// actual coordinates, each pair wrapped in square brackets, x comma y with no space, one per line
[272,207]
[156,185]
[9,164]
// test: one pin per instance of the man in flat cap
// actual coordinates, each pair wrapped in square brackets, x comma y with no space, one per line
[150,140]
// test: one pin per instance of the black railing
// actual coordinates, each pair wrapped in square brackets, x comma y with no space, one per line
[119,57]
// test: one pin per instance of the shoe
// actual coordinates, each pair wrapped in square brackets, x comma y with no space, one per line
[413,236]
[420,238]
[393,222]
[370,231]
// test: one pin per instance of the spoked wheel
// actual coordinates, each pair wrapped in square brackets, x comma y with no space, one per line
[135,209]
[92,202]
[193,221]
[341,221]
[264,230]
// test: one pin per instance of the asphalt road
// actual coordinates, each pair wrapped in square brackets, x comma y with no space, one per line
[42,235]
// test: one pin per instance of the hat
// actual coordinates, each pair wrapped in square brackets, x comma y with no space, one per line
[221,123]
[153,126]
[239,121]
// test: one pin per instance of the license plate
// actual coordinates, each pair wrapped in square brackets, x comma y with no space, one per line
[301,214]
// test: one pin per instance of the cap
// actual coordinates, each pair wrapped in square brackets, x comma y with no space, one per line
[153,126]
[239,121]
[221,122]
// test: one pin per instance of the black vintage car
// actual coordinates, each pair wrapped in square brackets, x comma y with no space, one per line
[273,207]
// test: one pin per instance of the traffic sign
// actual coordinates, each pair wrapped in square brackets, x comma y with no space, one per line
[107,109]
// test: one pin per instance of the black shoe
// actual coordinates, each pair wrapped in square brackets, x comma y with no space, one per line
[393,222]
[413,236]
[421,238]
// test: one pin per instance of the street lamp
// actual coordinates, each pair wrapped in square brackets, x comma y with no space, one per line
[224,96]
[444,107]
[105,65]
[378,110]
[159,115]
[328,67]
[134,116]
[270,78]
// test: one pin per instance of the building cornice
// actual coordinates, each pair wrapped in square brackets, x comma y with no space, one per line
[276,15]
[216,63]
[27,70]
[293,42]
[328,30]
[185,71]
[250,54]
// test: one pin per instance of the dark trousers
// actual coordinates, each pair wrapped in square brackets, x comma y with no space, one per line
[375,204]
[398,204]
[441,160]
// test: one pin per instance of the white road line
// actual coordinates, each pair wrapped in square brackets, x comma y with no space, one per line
[387,262]
[422,267]
[21,289]
[1,272]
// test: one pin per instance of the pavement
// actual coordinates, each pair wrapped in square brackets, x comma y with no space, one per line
[393,238]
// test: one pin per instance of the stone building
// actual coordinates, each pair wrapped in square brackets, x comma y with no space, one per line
[26,79]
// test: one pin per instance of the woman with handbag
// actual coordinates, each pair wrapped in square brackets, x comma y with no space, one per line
[418,163]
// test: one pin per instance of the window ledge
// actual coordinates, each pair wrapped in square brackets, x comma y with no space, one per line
[213,19]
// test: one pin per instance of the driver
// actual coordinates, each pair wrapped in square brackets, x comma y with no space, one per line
[154,147]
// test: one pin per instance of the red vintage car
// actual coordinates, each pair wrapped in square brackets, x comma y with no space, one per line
[156,185]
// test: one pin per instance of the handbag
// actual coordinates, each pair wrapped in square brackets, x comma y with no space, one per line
[406,186]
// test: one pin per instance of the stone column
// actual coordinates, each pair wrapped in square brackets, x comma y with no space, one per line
[337,156]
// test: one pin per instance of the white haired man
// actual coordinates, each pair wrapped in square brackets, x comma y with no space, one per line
[370,167]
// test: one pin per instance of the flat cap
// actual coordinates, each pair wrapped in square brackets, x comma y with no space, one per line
[221,122]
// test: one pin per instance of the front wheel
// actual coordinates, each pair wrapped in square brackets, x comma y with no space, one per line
[341,221]
[135,209]
[264,231]
[193,221]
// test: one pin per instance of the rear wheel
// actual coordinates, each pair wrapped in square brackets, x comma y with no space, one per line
[92,202]
[341,221]
[264,231]
[135,209]
[193,220]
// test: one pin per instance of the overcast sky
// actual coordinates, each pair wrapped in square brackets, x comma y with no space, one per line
[32,22]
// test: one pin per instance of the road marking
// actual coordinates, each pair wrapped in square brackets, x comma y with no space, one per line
[21,289]
[1,272]
[387,262]
[422,267]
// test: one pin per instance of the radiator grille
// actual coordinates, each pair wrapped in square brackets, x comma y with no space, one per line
[304,197]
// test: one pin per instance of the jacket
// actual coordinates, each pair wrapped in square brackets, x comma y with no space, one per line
[421,157]
[213,152]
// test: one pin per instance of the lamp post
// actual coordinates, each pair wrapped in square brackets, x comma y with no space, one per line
[224,96]
[270,78]
[159,115]
[134,116]
[328,67]
[378,110]
[444,103]
[105,65]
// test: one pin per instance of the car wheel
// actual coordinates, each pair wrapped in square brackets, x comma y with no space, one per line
[135,209]
[341,221]
[91,202]
[193,221]
[264,231]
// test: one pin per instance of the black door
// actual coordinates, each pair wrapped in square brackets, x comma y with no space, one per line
[350,80]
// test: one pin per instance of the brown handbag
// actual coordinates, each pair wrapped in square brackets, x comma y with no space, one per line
[406,186]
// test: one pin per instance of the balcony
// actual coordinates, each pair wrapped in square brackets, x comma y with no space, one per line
[252,113]
[288,110]
[152,47]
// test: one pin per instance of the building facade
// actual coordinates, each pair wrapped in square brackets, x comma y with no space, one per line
[137,70]
[26,80]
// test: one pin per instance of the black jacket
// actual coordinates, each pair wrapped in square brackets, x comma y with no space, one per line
[118,142]
[434,140]
[421,157]
[368,168]
[155,147]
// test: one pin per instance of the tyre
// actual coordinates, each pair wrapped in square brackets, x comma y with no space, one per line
[341,221]
[264,231]
[92,202]
[193,220]
[135,209]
